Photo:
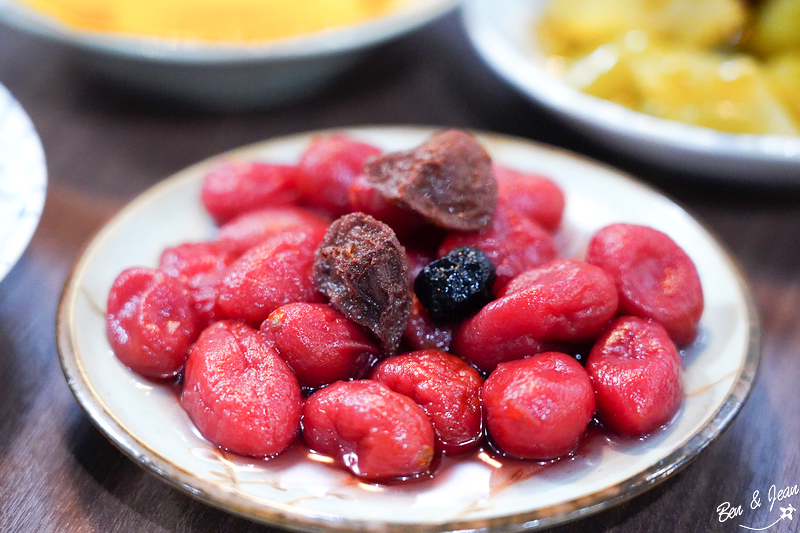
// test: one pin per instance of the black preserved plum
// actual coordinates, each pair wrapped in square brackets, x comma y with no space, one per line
[456,285]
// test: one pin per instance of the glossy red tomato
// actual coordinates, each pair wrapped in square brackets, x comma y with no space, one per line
[532,195]
[446,387]
[231,189]
[421,332]
[254,227]
[239,392]
[319,343]
[539,407]
[636,372]
[376,433]
[151,322]
[562,301]
[202,266]
[512,242]
[276,272]
[654,276]
[328,167]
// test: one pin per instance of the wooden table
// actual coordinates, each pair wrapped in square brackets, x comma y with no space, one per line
[104,146]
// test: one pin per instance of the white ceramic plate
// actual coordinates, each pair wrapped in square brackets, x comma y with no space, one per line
[145,420]
[226,76]
[23,180]
[502,31]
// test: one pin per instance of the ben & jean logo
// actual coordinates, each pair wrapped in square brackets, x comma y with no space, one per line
[727,511]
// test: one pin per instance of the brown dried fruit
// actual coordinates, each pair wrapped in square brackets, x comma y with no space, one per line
[448,180]
[362,268]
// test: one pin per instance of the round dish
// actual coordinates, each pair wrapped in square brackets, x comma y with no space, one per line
[23,180]
[502,32]
[225,76]
[145,420]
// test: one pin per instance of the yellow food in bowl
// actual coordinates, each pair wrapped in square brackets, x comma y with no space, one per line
[232,21]
[716,63]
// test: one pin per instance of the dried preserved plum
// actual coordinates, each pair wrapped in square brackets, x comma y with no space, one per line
[362,268]
[457,285]
[448,180]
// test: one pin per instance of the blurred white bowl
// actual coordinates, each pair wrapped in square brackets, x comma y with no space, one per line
[23,181]
[502,33]
[226,75]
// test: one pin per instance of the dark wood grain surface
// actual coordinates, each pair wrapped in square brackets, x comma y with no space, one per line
[105,145]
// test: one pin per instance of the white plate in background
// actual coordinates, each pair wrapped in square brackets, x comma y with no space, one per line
[503,33]
[225,75]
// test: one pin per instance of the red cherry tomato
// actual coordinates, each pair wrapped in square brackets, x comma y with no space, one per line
[654,276]
[562,301]
[151,322]
[376,433]
[239,392]
[319,343]
[539,407]
[636,372]
[327,169]
[446,387]
[232,188]
[276,272]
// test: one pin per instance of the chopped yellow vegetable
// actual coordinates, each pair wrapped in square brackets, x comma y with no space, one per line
[575,27]
[606,72]
[702,23]
[677,59]
[724,93]
[783,75]
[776,27]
